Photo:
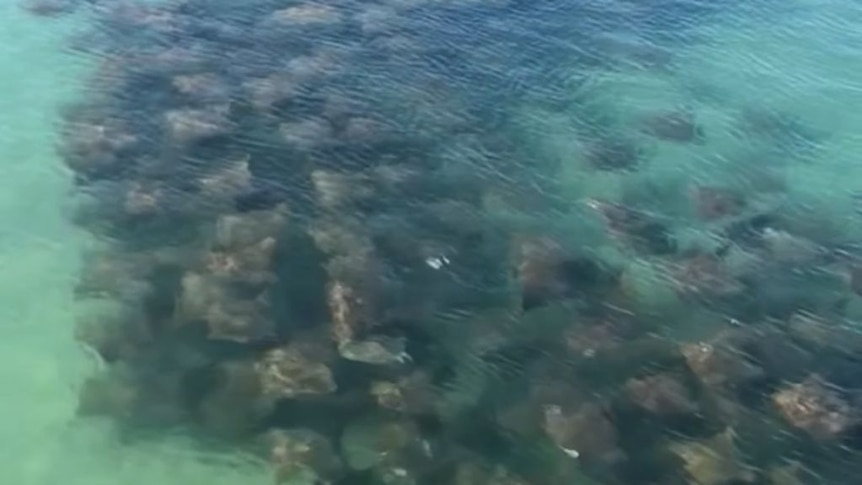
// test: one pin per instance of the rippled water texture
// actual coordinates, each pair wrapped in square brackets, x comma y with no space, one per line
[431,242]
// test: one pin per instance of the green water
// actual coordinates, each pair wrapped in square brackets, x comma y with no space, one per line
[41,367]
[782,65]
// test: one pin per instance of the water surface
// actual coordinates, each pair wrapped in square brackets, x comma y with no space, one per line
[505,99]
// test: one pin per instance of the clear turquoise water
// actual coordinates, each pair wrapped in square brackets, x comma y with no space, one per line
[803,58]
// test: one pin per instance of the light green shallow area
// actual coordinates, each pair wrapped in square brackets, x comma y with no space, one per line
[41,367]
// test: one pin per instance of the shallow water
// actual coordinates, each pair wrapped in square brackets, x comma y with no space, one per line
[43,366]
[555,71]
